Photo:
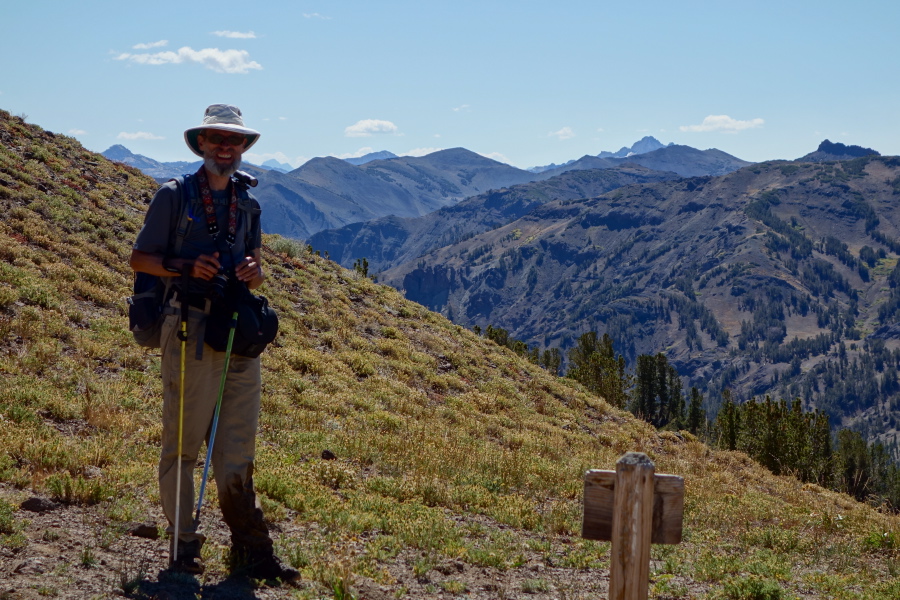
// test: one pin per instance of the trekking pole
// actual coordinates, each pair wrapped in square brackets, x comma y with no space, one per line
[215,422]
[182,335]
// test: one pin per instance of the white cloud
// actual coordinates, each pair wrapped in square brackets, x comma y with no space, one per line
[421,151]
[139,135]
[221,61]
[150,45]
[316,16]
[564,134]
[722,123]
[357,154]
[368,127]
[497,156]
[238,35]
[461,108]
[77,132]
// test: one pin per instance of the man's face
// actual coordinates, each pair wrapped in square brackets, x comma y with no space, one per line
[221,151]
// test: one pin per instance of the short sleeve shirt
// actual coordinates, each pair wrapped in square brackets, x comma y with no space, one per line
[163,215]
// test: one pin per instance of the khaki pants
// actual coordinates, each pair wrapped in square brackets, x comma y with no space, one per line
[234,446]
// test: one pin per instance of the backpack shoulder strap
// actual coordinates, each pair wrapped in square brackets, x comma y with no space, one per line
[187,187]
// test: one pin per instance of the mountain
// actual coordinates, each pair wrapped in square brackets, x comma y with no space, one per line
[361,160]
[454,466]
[160,171]
[390,241]
[642,146]
[683,160]
[328,193]
[829,151]
[779,278]
[274,165]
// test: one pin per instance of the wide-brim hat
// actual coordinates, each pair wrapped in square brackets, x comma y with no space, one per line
[224,117]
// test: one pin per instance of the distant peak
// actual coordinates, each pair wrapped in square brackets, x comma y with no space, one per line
[839,149]
[117,152]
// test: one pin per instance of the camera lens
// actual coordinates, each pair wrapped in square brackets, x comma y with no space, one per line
[217,286]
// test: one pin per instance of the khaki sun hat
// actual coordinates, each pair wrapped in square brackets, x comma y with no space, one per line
[224,117]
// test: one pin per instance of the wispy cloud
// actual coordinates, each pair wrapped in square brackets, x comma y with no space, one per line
[369,127]
[316,16]
[77,132]
[139,135]
[563,134]
[421,151]
[723,123]
[150,45]
[237,35]
[357,154]
[497,156]
[221,61]
[462,108]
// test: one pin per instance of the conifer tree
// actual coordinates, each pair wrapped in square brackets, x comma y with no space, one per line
[696,415]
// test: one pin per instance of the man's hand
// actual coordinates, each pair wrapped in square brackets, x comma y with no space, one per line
[249,271]
[206,266]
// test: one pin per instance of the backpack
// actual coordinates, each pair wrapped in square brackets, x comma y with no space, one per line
[146,305]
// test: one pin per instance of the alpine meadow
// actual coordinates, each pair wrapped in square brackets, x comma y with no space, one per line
[402,455]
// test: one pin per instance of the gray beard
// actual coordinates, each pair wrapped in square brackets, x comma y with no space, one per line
[222,171]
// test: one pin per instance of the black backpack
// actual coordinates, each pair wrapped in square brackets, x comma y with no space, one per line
[146,306]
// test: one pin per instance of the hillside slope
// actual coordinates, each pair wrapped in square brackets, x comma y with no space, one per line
[458,465]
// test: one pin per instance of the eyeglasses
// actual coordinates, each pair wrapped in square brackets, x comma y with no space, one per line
[232,140]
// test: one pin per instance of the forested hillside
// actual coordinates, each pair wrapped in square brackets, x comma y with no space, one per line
[778,279]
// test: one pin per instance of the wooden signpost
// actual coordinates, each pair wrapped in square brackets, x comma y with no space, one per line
[632,507]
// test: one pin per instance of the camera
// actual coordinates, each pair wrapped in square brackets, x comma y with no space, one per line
[218,285]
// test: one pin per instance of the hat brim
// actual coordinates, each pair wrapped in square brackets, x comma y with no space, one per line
[190,135]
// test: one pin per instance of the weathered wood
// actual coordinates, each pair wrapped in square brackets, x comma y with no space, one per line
[632,507]
[629,573]
[599,505]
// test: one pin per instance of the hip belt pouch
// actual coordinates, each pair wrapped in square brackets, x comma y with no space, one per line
[256,327]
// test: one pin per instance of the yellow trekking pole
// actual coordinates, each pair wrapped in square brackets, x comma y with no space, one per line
[182,335]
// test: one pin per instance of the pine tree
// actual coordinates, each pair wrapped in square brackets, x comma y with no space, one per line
[696,415]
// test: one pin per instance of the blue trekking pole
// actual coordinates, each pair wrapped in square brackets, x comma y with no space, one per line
[215,422]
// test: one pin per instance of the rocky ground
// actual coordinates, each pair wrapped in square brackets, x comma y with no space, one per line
[76,552]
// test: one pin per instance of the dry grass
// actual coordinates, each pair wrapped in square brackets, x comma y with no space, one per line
[449,448]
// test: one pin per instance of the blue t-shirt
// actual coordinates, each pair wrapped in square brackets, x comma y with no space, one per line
[163,215]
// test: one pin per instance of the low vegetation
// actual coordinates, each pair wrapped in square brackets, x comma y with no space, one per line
[454,455]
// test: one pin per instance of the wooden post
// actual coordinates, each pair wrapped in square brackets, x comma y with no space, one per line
[632,507]
[629,574]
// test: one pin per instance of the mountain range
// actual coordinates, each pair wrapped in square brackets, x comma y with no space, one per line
[778,279]
[327,192]
[775,278]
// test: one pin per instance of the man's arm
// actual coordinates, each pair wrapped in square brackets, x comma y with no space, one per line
[202,267]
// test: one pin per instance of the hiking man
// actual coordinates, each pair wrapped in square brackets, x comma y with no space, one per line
[222,238]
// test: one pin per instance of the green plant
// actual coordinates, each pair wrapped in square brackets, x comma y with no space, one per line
[752,588]
[535,586]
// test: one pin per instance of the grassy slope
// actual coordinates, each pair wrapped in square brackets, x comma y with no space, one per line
[448,447]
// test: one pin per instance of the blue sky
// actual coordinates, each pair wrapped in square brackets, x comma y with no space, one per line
[527,83]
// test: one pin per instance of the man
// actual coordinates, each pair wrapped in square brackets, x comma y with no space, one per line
[223,237]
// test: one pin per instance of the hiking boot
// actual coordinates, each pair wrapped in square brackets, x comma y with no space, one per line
[261,564]
[188,559]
